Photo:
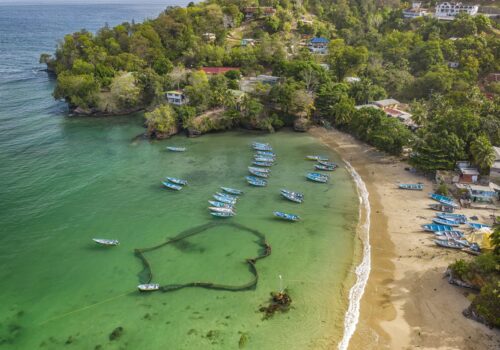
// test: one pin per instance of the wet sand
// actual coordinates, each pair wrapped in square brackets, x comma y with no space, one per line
[407,303]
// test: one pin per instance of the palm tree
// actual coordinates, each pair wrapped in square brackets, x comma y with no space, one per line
[482,153]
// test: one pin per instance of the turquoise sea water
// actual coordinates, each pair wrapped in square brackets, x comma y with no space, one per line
[66,180]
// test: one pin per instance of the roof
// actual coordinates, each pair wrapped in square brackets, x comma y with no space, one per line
[370,105]
[387,102]
[267,77]
[469,171]
[319,41]
[177,92]
[479,188]
[218,70]
[352,79]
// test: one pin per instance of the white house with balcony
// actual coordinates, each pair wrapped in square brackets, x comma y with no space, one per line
[448,10]
[415,11]
[176,97]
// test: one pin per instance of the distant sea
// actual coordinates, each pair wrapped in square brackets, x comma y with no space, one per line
[65,180]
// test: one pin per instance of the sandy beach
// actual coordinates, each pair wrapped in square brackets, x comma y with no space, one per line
[407,303]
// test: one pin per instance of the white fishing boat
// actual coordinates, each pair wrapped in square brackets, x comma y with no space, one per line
[148,287]
[106,242]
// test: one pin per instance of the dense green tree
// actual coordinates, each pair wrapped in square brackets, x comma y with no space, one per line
[78,90]
[161,121]
[482,153]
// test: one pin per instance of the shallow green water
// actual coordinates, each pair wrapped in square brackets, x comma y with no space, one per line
[93,179]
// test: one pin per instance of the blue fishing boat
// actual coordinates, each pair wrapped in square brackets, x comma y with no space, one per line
[228,196]
[291,197]
[477,226]
[177,181]
[443,199]
[258,173]
[448,243]
[176,149]
[232,191]
[317,158]
[220,204]
[261,170]
[317,177]
[440,221]
[460,218]
[255,181]
[260,163]
[148,287]
[450,234]
[324,167]
[436,228]
[262,146]
[326,163]
[221,215]
[172,186]
[224,199]
[266,154]
[285,216]
[415,187]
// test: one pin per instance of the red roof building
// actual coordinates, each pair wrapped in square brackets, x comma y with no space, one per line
[218,70]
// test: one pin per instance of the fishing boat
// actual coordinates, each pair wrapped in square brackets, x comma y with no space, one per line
[258,173]
[317,158]
[220,204]
[221,210]
[442,207]
[292,197]
[317,177]
[266,153]
[324,167]
[448,243]
[176,149]
[460,218]
[172,186]
[473,249]
[450,234]
[477,226]
[440,221]
[232,191]
[177,181]
[258,158]
[262,147]
[326,163]
[222,215]
[443,199]
[265,164]
[285,216]
[228,196]
[261,170]
[224,199]
[148,287]
[436,228]
[255,181]
[415,187]
[298,194]
[106,242]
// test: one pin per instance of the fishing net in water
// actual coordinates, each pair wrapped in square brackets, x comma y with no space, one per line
[146,275]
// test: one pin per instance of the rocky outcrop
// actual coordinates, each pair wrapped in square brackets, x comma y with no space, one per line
[161,135]
[301,124]
[455,280]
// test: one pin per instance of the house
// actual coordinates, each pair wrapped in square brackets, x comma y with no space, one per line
[495,168]
[351,80]
[387,103]
[209,37]
[176,97]
[217,70]
[493,77]
[468,175]
[257,11]
[267,79]
[448,10]
[453,64]
[415,11]
[305,21]
[404,117]
[478,193]
[248,42]
[368,105]
[318,45]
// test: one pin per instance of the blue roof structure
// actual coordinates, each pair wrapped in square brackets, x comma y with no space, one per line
[319,41]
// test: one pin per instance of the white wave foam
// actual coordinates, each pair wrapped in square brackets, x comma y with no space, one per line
[363,269]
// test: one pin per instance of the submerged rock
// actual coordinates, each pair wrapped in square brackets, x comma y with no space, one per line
[117,333]
[280,301]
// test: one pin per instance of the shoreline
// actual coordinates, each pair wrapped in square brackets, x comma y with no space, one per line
[406,303]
